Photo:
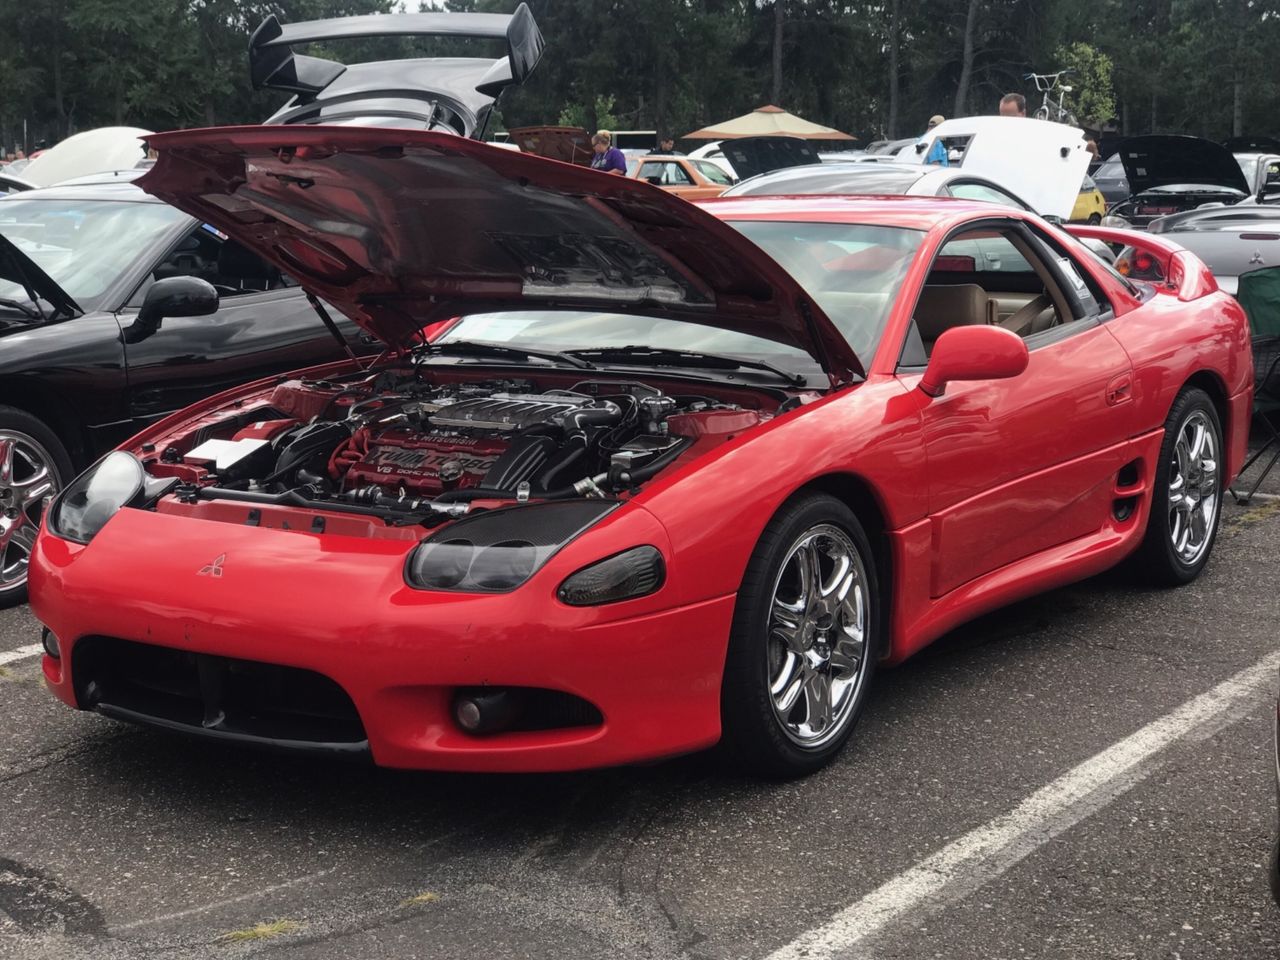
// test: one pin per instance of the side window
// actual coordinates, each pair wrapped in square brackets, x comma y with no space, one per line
[982,191]
[668,174]
[208,254]
[990,275]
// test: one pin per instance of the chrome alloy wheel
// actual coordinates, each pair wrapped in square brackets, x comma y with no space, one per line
[817,636]
[1193,488]
[27,480]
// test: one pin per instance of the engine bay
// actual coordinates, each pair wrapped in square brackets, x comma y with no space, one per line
[407,451]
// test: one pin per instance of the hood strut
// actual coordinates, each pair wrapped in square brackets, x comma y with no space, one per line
[323,314]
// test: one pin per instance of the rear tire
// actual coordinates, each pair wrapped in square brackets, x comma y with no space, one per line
[33,467]
[804,641]
[1095,219]
[1186,500]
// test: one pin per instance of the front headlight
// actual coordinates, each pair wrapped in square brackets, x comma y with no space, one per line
[498,550]
[95,496]
[1116,222]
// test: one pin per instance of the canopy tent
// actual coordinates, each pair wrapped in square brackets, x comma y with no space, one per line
[767,121]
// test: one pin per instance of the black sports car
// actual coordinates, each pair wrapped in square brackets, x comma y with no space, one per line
[116,309]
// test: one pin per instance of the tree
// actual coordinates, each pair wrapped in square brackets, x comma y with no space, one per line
[1092,98]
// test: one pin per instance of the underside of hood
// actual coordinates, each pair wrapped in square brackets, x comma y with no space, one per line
[401,228]
[1157,161]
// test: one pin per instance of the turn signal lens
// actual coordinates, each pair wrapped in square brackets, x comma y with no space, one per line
[634,573]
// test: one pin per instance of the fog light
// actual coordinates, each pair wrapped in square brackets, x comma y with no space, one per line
[486,710]
[50,643]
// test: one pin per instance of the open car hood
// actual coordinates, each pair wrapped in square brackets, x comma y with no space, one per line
[402,228]
[1157,161]
[17,267]
[1039,162]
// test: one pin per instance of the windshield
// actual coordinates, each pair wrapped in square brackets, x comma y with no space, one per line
[1249,167]
[851,270]
[1111,170]
[83,245]
[712,172]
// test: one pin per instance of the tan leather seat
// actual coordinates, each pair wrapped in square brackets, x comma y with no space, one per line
[943,307]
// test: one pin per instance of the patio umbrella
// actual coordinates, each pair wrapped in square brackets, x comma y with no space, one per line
[768,121]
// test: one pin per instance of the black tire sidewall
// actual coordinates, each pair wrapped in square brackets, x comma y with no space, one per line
[1160,564]
[752,736]
[11,418]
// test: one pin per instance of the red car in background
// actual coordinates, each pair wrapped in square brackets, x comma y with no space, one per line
[678,475]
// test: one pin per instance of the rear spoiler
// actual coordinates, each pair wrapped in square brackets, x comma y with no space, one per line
[1185,274]
[274,66]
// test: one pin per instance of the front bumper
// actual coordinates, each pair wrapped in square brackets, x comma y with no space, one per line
[338,607]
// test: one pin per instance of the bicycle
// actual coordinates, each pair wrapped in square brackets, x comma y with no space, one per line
[1046,83]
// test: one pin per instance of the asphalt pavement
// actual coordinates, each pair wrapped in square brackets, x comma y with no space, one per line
[1088,774]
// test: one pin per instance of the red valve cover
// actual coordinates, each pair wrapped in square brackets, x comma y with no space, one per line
[425,464]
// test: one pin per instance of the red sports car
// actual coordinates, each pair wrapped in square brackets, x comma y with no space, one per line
[662,476]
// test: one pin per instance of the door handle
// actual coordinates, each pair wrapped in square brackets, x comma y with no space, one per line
[1119,390]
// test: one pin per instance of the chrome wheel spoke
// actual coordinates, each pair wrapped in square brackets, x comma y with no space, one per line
[6,461]
[817,698]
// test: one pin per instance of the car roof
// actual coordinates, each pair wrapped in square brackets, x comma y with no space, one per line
[914,213]
[120,190]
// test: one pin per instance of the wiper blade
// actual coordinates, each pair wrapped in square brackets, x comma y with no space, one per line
[663,357]
[476,348]
[26,309]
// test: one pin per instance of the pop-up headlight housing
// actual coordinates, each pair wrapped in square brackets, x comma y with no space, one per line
[498,550]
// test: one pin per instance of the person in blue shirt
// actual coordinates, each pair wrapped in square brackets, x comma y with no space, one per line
[938,152]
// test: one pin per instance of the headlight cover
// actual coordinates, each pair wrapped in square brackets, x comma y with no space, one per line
[93,498]
[498,550]
[633,573]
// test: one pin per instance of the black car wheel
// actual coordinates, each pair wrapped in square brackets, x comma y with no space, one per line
[802,649]
[33,467]
[1186,500]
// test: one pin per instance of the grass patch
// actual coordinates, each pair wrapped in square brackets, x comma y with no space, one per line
[5,673]
[261,931]
[427,897]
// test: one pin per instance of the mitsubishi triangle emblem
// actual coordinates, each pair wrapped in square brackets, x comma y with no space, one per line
[213,569]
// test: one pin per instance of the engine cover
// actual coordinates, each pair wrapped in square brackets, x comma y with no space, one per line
[425,464]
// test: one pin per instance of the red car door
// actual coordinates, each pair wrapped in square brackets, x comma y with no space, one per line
[1021,465]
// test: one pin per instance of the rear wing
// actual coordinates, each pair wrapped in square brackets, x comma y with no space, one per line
[1181,272]
[274,66]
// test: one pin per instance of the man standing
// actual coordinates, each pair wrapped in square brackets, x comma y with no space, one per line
[938,152]
[1013,105]
[607,158]
[666,147]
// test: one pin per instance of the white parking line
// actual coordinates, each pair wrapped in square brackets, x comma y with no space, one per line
[10,656]
[985,853]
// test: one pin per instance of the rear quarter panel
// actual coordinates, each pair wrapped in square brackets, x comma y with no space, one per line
[1170,341]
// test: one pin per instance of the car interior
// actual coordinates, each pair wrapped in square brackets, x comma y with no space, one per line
[232,269]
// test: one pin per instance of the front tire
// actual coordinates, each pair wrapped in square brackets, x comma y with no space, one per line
[1186,502]
[803,647]
[33,467]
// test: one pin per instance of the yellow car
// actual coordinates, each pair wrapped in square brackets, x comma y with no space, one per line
[1090,206]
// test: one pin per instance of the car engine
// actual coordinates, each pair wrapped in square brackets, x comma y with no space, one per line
[395,446]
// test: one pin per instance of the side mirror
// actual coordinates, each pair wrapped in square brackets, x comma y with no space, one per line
[171,297]
[978,352]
